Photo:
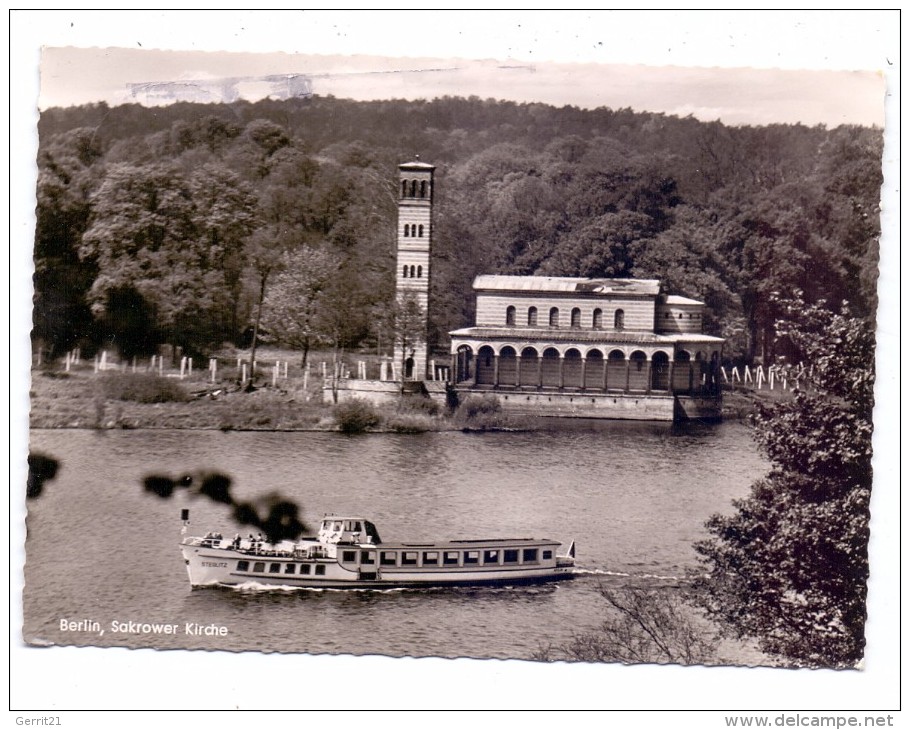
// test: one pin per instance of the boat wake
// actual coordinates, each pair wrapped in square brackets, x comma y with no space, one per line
[253,587]
[622,574]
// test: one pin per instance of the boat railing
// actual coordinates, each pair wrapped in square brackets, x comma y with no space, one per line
[310,552]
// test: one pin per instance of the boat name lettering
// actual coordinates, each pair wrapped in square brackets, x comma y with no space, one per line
[213,565]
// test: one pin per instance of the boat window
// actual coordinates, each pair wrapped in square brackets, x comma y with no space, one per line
[490,556]
[304,569]
[290,568]
[529,555]
[274,567]
[336,526]
[387,557]
[471,557]
[372,533]
[409,558]
[431,558]
[357,527]
[259,567]
[320,570]
[450,557]
[349,556]
[243,565]
[547,554]
[367,557]
[510,556]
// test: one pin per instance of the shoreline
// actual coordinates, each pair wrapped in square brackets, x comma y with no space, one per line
[81,400]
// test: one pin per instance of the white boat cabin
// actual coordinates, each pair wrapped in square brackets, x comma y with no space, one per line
[351,530]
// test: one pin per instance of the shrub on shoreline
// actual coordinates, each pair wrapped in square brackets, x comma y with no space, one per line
[410,423]
[355,416]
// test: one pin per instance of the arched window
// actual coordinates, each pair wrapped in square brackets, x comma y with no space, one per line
[598,319]
[404,271]
[412,272]
[510,316]
[532,316]
[423,188]
[420,231]
[619,320]
[404,188]
[407,230]
[576,318]
[420,272]
[413,188]
[554,317]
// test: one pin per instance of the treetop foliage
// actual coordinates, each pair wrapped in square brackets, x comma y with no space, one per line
[170,201]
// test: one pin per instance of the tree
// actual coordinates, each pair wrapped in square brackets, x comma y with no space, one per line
[789,567]
[644,625]
[176,241]
[225,214]
[143,235]
[65,182]
[291,305]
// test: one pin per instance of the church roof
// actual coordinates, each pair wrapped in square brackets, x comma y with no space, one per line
[676,299]
[416,165]
[497,282]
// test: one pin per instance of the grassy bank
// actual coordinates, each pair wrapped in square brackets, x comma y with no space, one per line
[83,398]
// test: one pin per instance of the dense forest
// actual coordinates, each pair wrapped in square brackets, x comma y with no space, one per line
[195,224]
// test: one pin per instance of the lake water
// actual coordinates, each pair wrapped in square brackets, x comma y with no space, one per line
[634,496]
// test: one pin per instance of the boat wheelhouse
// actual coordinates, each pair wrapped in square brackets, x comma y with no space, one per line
[347,552]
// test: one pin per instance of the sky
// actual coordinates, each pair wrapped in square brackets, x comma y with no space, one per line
[743,67]
[735,95]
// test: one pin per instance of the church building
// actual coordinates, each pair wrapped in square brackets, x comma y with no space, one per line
[604,348]
[549,345]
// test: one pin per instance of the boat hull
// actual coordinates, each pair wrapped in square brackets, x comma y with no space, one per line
[230,568]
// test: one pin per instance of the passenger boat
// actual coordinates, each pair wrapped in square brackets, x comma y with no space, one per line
[347,552]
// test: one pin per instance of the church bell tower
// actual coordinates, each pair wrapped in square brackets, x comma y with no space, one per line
[415,237]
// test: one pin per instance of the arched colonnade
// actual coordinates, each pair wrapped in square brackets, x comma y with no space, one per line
[604,368]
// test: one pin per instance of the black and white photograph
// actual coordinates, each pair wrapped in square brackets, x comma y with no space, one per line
[362,365]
